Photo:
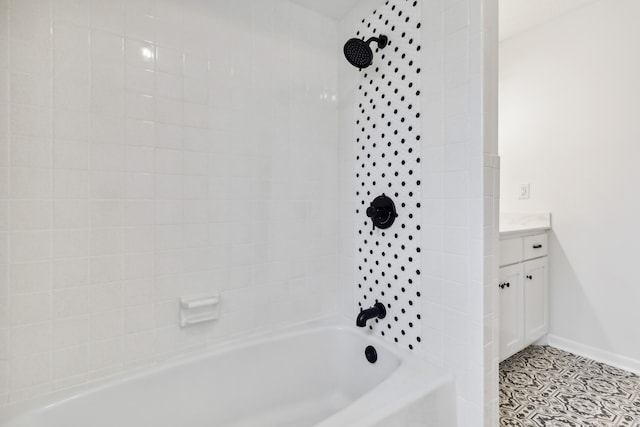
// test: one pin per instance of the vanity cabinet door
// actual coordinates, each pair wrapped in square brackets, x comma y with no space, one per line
[536,299]
[511,310]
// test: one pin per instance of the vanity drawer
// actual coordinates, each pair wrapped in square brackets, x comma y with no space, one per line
[511,251]
[535,246]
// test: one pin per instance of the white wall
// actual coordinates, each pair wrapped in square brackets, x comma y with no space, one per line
[157,149]
[458,153]
[569,126]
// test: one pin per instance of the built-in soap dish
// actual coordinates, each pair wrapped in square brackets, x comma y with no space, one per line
[196,310]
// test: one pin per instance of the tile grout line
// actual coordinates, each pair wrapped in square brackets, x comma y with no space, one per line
[9,198]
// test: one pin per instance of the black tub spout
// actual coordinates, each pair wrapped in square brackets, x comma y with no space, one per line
[377,310]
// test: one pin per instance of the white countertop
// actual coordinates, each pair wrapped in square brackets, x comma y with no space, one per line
[512,222]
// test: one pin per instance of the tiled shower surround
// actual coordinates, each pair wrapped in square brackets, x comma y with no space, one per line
[157,149]
[457,192]
[388,162]
[153,149]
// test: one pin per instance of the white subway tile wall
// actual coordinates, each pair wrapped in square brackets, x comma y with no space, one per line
[152,149]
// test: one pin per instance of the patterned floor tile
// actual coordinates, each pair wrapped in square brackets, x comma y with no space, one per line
[544,386]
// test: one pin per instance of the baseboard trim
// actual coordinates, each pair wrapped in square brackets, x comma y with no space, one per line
[616,360]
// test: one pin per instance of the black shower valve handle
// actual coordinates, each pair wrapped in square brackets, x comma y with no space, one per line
[373,213]
[382,212]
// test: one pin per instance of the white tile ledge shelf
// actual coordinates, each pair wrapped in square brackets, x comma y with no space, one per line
[194,310]
[512,223]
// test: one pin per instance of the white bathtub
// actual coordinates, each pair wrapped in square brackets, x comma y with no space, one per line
[313,375]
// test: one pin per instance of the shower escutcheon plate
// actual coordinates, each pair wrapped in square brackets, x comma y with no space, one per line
[382,212]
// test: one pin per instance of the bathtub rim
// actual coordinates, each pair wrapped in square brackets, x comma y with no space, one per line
[408,362]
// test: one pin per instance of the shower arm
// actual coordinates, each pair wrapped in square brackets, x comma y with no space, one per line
[382,41]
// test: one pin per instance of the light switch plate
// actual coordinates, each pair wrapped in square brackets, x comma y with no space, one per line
[525,191]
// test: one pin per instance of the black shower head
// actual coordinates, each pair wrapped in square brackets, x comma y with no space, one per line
[358,52]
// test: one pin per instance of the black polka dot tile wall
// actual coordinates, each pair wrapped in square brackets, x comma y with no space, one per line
[388,162]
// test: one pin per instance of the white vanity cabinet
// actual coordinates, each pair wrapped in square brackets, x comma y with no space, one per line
[523,290]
